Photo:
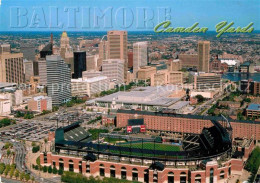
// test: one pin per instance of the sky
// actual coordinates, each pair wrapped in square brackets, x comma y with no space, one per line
[131,15]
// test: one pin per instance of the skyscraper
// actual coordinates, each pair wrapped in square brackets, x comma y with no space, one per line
[203,56]
[130,59]
[58,80]
[64,44]
[114,70]
[42,71]
[92,62]
[79,64]
[48,49]
[103,52]
[117,47]
[139,55]
[11,65]
[28,69]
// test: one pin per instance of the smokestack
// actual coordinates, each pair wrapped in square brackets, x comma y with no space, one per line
[51,38]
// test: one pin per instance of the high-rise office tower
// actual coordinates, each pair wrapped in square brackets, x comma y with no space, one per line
[28,52]
[103,52]
[58,80]
[203,56]
[139,55]
[42,68]
[130,59]
[117,47]
[28,69]
[5,48]
[114,70]
[92,62]
[48,49]
[64,44]
[35,68]
[79,64]
[11,65]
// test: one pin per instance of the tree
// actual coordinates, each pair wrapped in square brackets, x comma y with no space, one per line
[16,174]
[22,175]
[60,172]
[253,161]
[45,142]
[45,168]
[11,172]
[38,162]
[200,98]
[35,149]
[247,100]
[49,169]
[7,169]
[27,177]
[33,179]
[8,145]
[28,116]
[54,170]
[240,116]
[2,168]
[33,144]
[55,108]
[36,167]
[8,152]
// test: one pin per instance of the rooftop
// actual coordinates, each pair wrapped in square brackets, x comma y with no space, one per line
[6,85]
[254,107]
[246,64]
[230,61]
[144,95]
[48,47]
[179,105]
[216,118]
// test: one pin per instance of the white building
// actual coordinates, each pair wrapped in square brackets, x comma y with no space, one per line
[114,70]
[5,107]
[15,97]
[90,74]
[139,55]
[144,98]
[90,86]
[230,62]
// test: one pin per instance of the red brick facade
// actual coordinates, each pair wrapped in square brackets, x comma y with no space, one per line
[87,168]
[189,125]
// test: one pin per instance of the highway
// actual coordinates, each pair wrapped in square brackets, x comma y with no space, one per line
[20,154]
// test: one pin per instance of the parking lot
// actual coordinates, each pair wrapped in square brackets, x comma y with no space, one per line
[29,130]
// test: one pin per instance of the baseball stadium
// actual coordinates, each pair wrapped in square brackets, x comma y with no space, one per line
[143,154]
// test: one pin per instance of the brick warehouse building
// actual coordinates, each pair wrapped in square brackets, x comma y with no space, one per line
[211,170]
[186,123]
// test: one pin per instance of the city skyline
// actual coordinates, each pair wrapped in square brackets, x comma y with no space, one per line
[130,91]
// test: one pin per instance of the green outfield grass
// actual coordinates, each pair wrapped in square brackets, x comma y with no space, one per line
[113,140]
